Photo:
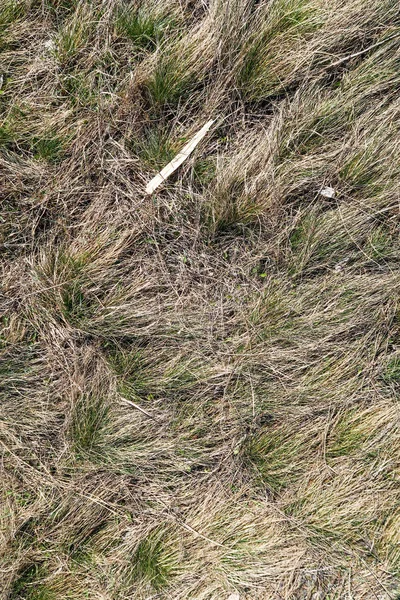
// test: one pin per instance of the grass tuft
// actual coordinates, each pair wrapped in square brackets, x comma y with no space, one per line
[169,83]
[73,35]
[346,437]
[143,28]
[11,12]
[154,148]
[287,25]
[153,561]
[48,148]
[392,370]
[277,460]
[88,426]
[26,586]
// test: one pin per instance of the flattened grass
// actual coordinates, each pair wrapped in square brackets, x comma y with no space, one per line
[199,388]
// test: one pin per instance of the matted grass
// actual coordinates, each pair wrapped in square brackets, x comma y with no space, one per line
[199,389]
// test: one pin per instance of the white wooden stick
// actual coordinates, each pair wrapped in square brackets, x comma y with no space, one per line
[179,159]
[138,408]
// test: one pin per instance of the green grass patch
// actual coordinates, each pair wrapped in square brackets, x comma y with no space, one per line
[27,586]
[16,364]
[76,306]
[321,121]
[231,208]
[392,370]
[145,29]
[15,127]
[302,242]
[74,35]
[288,22]
[364,169]
[380,244]
[131,390]
[69,296]
[303,233]
[18,134]
[144,375]
[129,366]
[169,83]
[272,314]
[77,87]
[275,458]
[27,534]
[319,241]
[204,171]
[7,136]
[126,363]
[89,422]
[21,498]
[180,376]
[346,438]
[154,147]
[49,148]
[154,561]
[59,10]
[11,11]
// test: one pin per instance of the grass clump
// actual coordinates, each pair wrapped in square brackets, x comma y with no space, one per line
[204,171]
[154,561]
[49,148]
[277,459]
[69,296]
[88,426]
[126,363]
[59,10]
[74,304]
[11,12]
[74,34]
[286,25]
[144,28]
[6,135]
[169,83]
[22,132]
[392,370]
[154,148]
[381,243]
[129,367]
[28,586]
[346,437]
[78,90]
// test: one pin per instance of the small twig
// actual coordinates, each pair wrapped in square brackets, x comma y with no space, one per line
[34,293]
[204,537]
[142,410]
[191,529]
[252,396]
[350,56]
[383,586]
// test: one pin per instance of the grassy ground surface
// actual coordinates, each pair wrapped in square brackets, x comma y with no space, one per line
[199,391]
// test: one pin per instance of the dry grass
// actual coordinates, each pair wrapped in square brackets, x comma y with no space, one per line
[199,389]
